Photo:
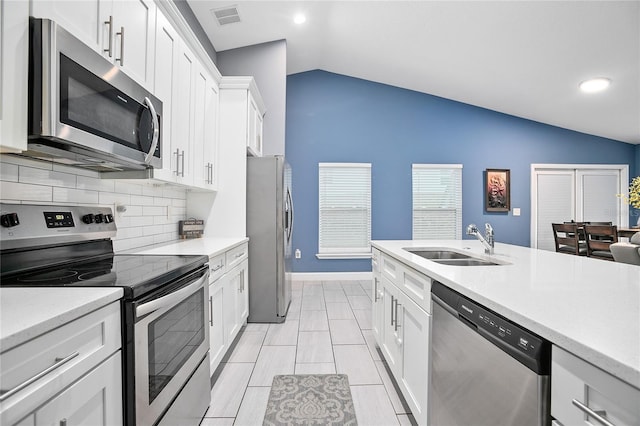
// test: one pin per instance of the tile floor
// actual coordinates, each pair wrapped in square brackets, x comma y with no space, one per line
[328,330]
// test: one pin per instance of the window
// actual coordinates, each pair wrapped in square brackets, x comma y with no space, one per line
[345,210]
[437,201]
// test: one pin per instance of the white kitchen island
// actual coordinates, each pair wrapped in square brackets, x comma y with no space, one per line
[588,307]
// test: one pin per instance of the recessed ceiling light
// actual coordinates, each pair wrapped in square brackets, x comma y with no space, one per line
[595,85]
[299,19]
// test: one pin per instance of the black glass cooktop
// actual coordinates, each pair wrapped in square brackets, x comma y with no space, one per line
[137,274]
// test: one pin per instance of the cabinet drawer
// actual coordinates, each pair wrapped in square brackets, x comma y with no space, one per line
[575,383]
[417,286]
[236,255]
[390,268]
[56,359]
[216,267]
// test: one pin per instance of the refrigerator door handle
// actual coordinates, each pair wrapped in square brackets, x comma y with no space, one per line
[290,213]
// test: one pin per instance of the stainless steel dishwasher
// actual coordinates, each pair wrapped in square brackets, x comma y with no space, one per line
[485,369]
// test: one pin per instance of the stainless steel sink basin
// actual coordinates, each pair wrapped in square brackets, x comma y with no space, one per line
[450,257]
[465,262]
[438,254]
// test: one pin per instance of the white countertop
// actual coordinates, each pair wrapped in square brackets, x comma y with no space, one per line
[207,246]
[589,307]
[27,312]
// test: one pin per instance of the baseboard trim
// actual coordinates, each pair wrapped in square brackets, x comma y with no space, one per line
[331,276]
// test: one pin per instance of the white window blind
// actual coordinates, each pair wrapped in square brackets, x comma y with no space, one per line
[345,209]
[437,201]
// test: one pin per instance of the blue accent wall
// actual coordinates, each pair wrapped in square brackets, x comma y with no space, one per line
[335,118]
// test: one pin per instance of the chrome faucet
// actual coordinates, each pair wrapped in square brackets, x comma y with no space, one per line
[487,241]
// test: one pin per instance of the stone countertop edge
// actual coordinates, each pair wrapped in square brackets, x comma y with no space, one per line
[28,312]
[195,246]
[589,307]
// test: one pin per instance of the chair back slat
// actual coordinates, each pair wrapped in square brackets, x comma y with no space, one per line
[599,239]
[566,237]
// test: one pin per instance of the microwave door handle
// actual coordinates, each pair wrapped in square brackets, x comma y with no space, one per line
[170,299]
[156,130]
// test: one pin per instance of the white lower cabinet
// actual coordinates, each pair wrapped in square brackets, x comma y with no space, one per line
[71,375]
[582,394]
[401,326]
[228,300]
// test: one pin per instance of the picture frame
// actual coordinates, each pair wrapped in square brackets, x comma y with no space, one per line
[497,197]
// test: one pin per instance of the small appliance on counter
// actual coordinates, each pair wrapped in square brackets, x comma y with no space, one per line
[165,332]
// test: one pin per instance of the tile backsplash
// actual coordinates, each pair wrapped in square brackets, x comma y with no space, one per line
[152,210]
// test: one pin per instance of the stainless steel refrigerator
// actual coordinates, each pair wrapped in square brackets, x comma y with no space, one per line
[269,228]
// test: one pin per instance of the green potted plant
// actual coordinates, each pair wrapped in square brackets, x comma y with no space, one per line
[633,199]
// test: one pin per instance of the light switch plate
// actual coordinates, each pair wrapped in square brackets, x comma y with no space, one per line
[516,211]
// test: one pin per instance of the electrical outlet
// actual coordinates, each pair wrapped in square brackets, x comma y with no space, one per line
[298,254]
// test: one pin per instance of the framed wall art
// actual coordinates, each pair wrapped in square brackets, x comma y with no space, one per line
[498,190]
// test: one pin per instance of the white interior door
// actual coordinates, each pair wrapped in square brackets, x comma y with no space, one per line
[596,199]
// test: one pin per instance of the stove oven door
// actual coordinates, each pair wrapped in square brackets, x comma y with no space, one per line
[171,339]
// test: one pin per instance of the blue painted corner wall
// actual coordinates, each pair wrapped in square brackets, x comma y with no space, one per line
[335,118]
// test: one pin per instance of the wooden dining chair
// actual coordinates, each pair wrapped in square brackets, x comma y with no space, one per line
[566,237]
[599,239]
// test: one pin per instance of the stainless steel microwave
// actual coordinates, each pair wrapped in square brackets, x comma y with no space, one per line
[83,110]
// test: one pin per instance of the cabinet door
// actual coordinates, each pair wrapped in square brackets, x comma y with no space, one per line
[231,296]
[210,148]
[183,116]
[95,399]
[165,88]
[88,20]
[391,346]
[133,38]
[243,298]
[14,39]
[218,344]
[202,81]
[413,337]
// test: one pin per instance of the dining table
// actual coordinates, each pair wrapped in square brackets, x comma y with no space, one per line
[627,232]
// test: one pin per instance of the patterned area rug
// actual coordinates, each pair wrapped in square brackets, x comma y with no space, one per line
[310,399]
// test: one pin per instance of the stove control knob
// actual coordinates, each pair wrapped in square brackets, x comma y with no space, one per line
[87,218]
[108,218]
[9,220]
[99,218]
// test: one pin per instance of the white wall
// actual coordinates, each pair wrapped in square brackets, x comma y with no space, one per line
[153,211]
[267,63]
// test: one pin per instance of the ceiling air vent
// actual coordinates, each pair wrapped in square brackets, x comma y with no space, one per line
[226,15]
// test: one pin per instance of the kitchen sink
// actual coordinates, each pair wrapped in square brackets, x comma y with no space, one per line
[439,254]
[450,257]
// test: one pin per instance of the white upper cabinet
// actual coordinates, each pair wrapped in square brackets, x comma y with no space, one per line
[243,105]
[123,31]
[14,40]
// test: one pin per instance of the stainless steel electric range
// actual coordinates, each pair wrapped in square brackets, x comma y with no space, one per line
[165,338]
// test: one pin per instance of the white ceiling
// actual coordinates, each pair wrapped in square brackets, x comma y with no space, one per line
[523,58]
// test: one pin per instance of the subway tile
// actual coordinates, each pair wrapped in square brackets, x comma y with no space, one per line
[28,162]
[114,198]
[152,190]
[154,211]
[152,230]
[25,192]
[163,238]
[143,200]
[173,192]
[8,172]
[94,184]
[46,177]
[125,233]
[78,171]
[79,196]
[133,210]
[162,201]
[127,188]
[179,202]
[130,222]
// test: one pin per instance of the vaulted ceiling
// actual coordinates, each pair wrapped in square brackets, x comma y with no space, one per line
[524,58]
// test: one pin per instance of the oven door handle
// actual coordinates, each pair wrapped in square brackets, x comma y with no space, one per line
[170,299]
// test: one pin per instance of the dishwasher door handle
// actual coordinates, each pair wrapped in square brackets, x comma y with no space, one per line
[599,416]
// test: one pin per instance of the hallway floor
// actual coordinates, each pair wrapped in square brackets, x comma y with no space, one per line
[327,330]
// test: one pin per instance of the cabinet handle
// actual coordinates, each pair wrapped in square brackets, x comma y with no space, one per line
[375,290]
[177,161]
[396,321]
[597,415]
[63,422]
[110,24]
[217,268]
[239,255]
[59,362]
[392,309]
[182,171]
[211,311]
[121,34]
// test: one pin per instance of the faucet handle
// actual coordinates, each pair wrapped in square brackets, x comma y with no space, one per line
[472,229]
[488,230]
